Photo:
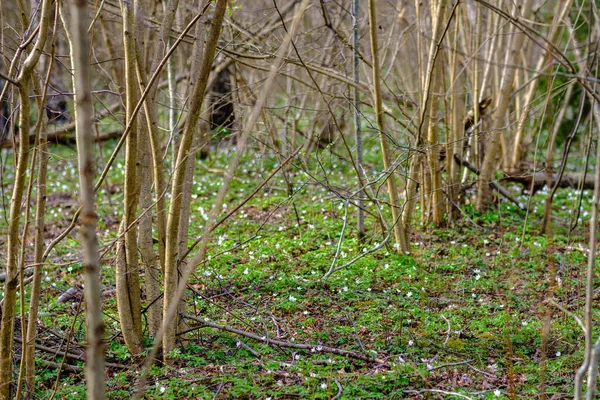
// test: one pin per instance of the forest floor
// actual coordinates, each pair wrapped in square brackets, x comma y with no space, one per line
[461,317]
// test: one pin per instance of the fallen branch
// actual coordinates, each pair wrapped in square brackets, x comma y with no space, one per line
[494,185]
[439,391]
[536,181]
[313,348]
[72,356]
[63,137]
[63,366]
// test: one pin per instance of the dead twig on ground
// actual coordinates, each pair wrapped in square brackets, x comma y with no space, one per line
[313,348]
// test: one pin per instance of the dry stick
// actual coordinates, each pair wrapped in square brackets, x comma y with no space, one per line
[79,357]
[569,313]
[362,255]
[440,391]
[8,79]
[300,346]
[217,207]
[340,240]
[124,135]
[340,390]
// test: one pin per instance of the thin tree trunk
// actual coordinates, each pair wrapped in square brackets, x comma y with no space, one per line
[591,352]
[147,253]
[12,272]
[416,158]
[360,217]
[436,207]
[172,231]
[398,226]
[456,131]
[559,14]
[40,212]
[150,108]
[201,136]
[84,115]
[508,76]
[127,269]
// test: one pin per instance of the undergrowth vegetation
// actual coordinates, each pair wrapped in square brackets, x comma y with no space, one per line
[463,313]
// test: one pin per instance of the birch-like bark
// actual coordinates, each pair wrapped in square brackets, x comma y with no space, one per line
[12,272]
[508,76]
[398,226]
[84,115]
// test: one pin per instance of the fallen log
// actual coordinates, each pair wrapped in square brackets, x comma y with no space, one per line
[64,137]
[494,185]
[536,181]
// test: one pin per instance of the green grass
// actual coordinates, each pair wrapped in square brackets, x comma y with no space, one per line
[462,313]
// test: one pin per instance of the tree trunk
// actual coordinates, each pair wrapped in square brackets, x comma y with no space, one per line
[84,115]
[559,14]
[397,224]
[508,76]
[127,269]
[172,231]
[10,288]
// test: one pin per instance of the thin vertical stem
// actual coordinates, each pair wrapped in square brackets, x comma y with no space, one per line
[360,218]
[398,227]
[84,114]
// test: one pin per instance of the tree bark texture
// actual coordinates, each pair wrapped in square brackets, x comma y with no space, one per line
[84,116]
[500,120]
[7,321]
